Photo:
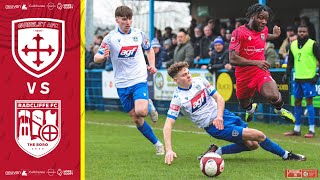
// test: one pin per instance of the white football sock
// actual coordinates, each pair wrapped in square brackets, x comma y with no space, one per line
[285,156]
[219,151]
[311,128]
[158,143]
[297,128]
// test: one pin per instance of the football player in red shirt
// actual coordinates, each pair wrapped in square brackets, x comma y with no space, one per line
[252,70]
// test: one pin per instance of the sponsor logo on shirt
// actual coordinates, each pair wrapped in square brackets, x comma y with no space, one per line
[198,101]
[174,107]
[233,39]
[251,49]
[128,51]
[103,45]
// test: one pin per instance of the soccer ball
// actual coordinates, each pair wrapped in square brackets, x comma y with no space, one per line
[212,164]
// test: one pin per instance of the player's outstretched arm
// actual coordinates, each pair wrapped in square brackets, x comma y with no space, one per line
[276,33]
[237,60]
[218,121]
[167,129]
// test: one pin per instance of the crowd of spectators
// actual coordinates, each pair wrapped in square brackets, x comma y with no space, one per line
[205,46]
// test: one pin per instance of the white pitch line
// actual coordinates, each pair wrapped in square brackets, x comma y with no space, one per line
[132,126]
[192,132]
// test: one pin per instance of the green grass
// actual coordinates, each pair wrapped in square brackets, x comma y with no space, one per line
[115,149]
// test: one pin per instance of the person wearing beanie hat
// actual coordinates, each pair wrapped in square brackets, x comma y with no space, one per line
[219,56]
[167,42]
[155,43]
[159,52]
[218,40]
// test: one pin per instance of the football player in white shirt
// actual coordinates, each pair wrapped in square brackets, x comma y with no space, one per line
[204,106]
[124,46]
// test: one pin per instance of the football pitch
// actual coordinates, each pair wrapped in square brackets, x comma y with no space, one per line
[115,149]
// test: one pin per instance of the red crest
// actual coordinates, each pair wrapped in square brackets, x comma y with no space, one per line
[38,44]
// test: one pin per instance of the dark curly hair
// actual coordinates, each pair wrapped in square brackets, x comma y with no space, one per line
[257,8]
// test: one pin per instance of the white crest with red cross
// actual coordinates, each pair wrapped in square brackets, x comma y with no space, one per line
[37,126]
[38,44]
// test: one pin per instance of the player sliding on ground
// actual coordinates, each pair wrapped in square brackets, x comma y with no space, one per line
[204,106]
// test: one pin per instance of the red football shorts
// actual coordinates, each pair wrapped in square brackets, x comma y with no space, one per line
[248,82]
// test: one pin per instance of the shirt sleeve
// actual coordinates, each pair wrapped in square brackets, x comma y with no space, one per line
[105,43]
[174,108]
[145,41]
[210,89]
[235,41]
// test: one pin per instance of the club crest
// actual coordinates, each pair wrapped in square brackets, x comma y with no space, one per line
[37,126]
[38,44]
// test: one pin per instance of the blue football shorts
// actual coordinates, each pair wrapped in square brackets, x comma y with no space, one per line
[233,128]
[304,89]
[129,95]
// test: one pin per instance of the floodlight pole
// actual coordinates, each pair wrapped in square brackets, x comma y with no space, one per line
[263,2]
[151,19]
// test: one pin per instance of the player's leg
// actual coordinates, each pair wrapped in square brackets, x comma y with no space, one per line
[297,114]
[141,101]
[298,95]
[232,132]
[311,115]
[137,113]
[144,108]
[269,90]
[250,107]
[268,145]
[309,91]
[152,111]
[244,95]
[231,148]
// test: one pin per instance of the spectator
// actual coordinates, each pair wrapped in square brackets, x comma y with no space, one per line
[231,24]
[159,52]
[296,23]
[306,22]
[284,48]
[167,45]
[98,39]
[223,32]
[168,33]
[228,38]
[215,29]
[198,32]
[158,35]
[90,64]
[240,22]
[183,51]
[205,43]
[219,57]
[190,31]
[271,55]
